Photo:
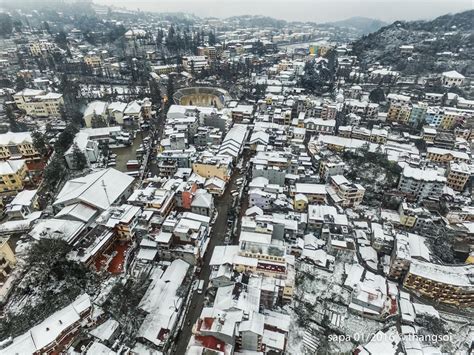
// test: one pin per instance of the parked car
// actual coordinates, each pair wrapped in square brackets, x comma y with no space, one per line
[200,287]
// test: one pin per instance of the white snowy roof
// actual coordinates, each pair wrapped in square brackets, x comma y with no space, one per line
[274,340]
[310,189]
[97,348]
[15,138]
[454,153]
[202,199]
[99,189]
[326,213]
[11,166]
[162,303]
[97,107]
[105,330]
[458,275]
[57,228]
[79,211]
[24,198]
[423,174]
[49,329]
[223,254]
[453,74]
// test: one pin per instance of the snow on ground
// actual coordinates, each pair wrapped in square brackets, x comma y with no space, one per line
[318,284]
[460,331]
[322,293]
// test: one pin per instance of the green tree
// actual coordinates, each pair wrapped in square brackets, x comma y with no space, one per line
[6,24]
[169,92]
[79,160]
[20,83]
[47,265]
[15,125]
[98,121]
[65,139]
[55,171]
[46,27]
[377,95]
[39,142]
[212,38]
[61,40]
[155,92]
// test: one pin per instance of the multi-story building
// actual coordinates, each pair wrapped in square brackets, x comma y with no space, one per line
[12,175]
[452,118]
[410,214]
[400,259]
[452,78]
[444,156]
[123,219]
[418,113]
[434,116]
[331,167]
[164,69]
[215,166]
[92,60]
[378,135]
[345,193]
[421,184]
[315,193]
[458,175]
[7,259]
[451,284]
[399,112]
[428,134]
[196,63]
[17,145]
[38,103]
[41,47]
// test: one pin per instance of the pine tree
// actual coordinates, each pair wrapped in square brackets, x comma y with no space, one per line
[55,171]
[78,158]
[98,121]
[39,142]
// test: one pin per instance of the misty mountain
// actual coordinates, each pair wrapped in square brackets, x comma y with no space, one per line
[445,43]
[363,25]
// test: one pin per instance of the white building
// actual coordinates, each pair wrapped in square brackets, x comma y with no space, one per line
[452,78]
[421,183]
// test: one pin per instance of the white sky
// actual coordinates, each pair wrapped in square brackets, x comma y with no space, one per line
[305,10]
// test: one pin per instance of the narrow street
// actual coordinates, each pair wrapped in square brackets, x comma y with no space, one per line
[217,237]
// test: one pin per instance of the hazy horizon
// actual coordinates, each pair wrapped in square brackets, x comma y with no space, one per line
[302,10]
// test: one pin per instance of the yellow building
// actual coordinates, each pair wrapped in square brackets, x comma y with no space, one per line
[12,175]
[38,103]
[407,214]
[213,167]
[301,202]
[93,60]
[458,176]
[428,134]
[17,145]
[378,135]
[7,259]
[444,156]
[399,112]
[41,47]
[451,118]
[450,284]
[345,193]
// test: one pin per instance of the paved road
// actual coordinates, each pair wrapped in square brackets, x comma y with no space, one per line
[217,238]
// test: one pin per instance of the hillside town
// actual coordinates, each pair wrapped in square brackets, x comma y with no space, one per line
[180,185]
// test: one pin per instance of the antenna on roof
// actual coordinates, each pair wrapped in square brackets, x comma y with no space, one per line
[105,190]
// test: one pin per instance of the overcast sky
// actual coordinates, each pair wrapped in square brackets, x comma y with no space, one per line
[305,10]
